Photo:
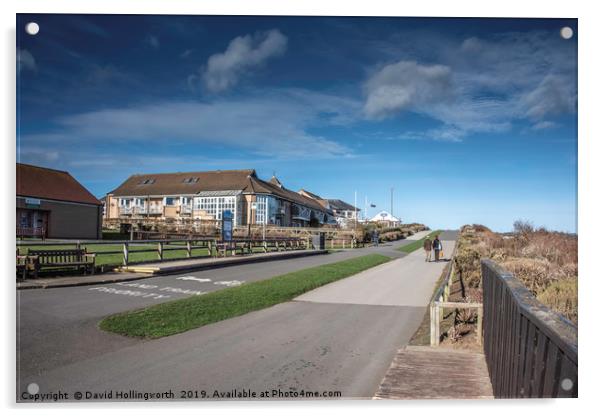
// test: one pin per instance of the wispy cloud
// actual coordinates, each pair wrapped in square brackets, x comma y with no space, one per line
[477,85]
[545,124]
[246,123]
[25,60]
[244,53]
[153,41]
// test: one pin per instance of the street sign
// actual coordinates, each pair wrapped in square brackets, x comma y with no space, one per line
[33,201]
[227,218]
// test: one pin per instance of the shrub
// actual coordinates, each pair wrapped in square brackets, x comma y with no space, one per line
[545,261]
[561,296]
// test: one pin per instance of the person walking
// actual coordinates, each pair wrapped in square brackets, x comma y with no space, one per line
[375,237]
[428,247]
[437,247]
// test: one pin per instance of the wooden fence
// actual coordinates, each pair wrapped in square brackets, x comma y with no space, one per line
[440,302]
[213,247]
[531,351]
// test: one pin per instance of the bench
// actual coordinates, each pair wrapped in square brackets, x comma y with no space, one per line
[63,258]
[23,265]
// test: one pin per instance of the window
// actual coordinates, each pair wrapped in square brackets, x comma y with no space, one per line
[215,206]
[147,181]
[190,180]
[266,207]
[170,201]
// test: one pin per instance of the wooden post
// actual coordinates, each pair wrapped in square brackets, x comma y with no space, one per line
[188,249]
[438,311]
[433,324]
[277,246]
[126,253]
[160,250]
[480,325]
[210,247]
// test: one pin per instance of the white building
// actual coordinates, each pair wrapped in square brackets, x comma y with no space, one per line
[384,217]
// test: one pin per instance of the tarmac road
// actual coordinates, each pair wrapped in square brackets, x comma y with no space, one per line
[344,346]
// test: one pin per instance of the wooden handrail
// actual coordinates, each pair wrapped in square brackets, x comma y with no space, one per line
[531,351]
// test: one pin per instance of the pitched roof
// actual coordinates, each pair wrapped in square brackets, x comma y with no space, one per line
[310,194]
[275,181]
[384,216]
[260,186]
[341,205]
[46,183]
[191,183]
[179,183]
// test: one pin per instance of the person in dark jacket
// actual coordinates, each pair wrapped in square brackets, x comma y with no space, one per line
[428,248]
[437,247]
[375,237]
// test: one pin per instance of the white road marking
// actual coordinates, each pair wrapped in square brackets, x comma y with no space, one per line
[194,279]
[233,283]
[130,293]
[137,285]
[182,291]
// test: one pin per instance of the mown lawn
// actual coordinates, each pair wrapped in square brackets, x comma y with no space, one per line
[116,259]
[417,244]
[181,315]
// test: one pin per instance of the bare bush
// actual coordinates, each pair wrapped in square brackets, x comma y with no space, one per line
[545,261]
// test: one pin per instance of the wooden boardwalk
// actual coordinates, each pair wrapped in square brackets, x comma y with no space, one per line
[420,373]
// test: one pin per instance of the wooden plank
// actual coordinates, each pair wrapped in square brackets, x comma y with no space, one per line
[550,384]
[417,374]
[529,353]
[540,365]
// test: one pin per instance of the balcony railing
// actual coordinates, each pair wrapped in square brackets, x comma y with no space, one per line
[186,209]
[125,210]
[155,210]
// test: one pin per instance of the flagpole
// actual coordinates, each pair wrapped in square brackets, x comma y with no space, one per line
[365,207]
[355,207]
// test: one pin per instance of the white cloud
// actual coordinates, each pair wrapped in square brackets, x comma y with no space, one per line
[244,53]
[479,86]
[25,60]
[545,124]
[553,96]
[276,123]
[406,85]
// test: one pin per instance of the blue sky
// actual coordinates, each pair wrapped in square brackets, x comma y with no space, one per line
[469,120]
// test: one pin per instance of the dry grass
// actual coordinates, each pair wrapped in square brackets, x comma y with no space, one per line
[545,261]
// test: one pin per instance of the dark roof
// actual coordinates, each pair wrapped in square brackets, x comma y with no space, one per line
[245,180]
[310,194]
[341,205]
[183,183]
[260,186]
[46,183]
[275,181]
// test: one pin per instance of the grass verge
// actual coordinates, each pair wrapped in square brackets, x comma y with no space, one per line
[417,244]
[181,315]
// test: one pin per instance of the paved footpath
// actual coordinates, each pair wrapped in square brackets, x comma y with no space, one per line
[329,343]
